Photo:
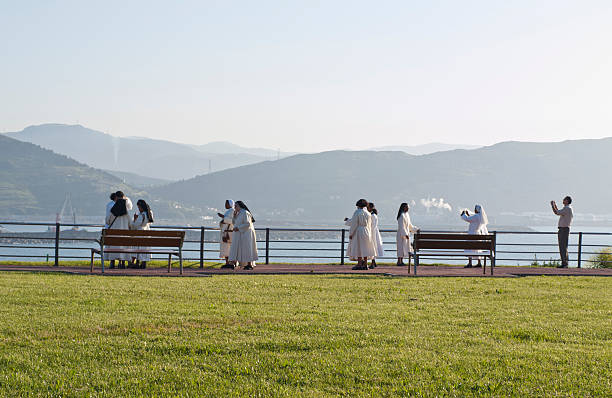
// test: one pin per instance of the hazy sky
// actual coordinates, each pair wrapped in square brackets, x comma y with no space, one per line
[311,75]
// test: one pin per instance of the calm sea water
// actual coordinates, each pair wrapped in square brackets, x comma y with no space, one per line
[512,249]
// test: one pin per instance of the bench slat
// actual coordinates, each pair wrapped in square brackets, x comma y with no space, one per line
[173,252]
[149,232]
[142,241]
[428,236]
[453,244]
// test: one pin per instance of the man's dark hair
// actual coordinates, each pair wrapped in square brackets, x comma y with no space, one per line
[119,194]
[113,196]
[361,203]
[569,199]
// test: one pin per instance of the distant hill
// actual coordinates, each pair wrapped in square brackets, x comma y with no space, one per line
[136,180]
[507,178]
[35,181]
[147,157]
[222,147]
[425,149]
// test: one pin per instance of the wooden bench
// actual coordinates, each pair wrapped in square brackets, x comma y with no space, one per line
[453,245]
[169,243]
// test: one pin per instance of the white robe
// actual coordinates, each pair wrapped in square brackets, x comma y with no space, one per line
[404,228]
[476,227]
[361,244]
[226,225]
[244,242]
[142,223]
[377,238]
[121,222]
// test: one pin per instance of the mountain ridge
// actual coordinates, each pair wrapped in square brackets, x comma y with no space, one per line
[326,185]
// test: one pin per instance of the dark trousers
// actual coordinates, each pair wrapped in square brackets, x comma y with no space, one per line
[563,236]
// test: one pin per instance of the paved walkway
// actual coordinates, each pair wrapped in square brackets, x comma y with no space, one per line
[425,270]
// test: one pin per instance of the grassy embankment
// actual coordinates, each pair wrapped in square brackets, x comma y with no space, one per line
[70,335]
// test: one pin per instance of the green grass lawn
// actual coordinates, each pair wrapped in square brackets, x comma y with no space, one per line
[237,335]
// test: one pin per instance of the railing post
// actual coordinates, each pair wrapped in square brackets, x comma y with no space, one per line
[57,237]
[202,247]
[579,249]
[342,247]
[267,246]
[494,259]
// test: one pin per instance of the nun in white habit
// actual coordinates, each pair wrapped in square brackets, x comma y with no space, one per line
[376,237]
[243,249]
[142,222]
[477,226]
[120,221]
[226,225]
[361,246]
[404,228]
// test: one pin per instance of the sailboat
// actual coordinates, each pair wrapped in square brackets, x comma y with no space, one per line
[59,215]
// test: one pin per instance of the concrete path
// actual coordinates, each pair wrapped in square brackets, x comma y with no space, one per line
[274,269]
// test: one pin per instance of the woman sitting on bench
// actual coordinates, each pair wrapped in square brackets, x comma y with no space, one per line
[142,221]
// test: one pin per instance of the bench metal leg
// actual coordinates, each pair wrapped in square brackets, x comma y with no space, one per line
[102,257]
[181,261]
[169,261]
[416,262]
[492,264]
[409,262]
[484,266]
[92,261]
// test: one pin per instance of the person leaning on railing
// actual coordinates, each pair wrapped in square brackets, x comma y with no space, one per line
[566,215]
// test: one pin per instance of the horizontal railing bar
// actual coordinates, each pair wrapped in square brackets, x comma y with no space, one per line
[23,255]
[301,249]
[305,241]
[27,237]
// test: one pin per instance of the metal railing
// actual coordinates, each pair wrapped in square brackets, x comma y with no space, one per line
[297,245]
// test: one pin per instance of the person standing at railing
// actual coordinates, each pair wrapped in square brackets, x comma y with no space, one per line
[226,225]
[404,228]
[478,226]
[142,222]
[566,215]
[243,249]
[361,245]
[119,219]
[376,238]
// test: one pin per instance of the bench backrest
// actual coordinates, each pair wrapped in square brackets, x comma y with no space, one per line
[453,241]
[149,238]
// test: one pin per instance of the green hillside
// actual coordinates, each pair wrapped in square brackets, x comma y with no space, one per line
[35,181]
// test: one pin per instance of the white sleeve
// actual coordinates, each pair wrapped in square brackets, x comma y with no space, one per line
[469,218]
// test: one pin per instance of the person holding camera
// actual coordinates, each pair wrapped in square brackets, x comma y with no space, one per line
[478,226]
[566,215]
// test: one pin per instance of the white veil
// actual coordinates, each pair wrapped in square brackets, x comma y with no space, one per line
[483,215]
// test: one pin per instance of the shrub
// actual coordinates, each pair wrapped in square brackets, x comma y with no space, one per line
[603,259]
